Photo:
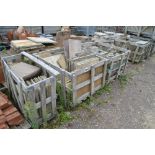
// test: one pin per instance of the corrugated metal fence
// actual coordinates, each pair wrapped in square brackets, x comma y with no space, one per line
[5,29]
[34,29]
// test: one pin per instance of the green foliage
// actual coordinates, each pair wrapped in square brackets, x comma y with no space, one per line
[124,79]
[86,103]
[106,89]
[88,100]
[4,51]
[64,117]
[61,99]
[59,91]
[30,113]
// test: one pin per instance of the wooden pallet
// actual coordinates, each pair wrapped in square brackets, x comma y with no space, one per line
[41,95]
[18,46]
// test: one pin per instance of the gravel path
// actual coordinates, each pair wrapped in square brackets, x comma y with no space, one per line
[130,107]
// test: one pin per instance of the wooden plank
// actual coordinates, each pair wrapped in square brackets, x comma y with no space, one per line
[121,62]
[53,95]
[43,101]
[83,77]
[97,83]
[63,88]
[80,85]
[135,54]
[83,90]
[74,90]
[104,73]
[51,70]
[99,70]
[92,80]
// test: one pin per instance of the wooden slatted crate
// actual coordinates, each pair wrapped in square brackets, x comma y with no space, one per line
[139,51]
[149,49]
[79,84]
[118,58]
[40,95]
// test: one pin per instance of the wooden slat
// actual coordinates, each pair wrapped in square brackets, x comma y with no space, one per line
[92,80]
[83,77]
[53,95]
[74,90]
[83,90]
[43,101]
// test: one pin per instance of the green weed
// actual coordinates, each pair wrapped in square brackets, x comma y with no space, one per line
[124,79]
[106,89]
[30,113]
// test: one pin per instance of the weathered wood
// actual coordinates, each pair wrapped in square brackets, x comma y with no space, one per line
[63,87]
[74,98]
[39,91]
[116,57]
[43,100]
[139,52]
[53,96]
[83,81]
[92,80]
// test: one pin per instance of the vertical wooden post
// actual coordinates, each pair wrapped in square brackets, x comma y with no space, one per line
[43,101]
[53,95]
[104,73]
[74,89]
[120,66]
[63,87]
[92,80]
[135,54]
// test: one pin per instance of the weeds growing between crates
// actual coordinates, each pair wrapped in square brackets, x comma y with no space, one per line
[62,118]
[124,79]
[30,113]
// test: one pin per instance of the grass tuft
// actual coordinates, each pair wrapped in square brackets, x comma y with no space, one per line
[124,79]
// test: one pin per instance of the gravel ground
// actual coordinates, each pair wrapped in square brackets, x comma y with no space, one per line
[130,107]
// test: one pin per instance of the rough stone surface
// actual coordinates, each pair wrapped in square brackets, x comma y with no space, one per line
[130,107]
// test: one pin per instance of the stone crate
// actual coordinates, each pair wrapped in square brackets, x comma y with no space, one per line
[80,83]
[38,91]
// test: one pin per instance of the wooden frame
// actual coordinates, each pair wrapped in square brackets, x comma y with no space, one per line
[140,30]
[45,90]
[83,82]
[116,64]
[29,49]
[138,52]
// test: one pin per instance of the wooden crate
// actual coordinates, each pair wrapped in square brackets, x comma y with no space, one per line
[41,94]
[82,82]
[146,31]
[149,49]
[139,52]
[118,58]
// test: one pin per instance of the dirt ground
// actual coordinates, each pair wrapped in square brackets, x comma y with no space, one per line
[132,106]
